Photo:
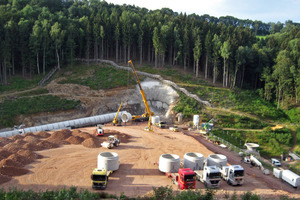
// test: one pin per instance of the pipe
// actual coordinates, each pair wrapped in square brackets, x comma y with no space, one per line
[75,123]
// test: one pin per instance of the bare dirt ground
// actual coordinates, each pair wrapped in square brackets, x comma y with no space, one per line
[71,163]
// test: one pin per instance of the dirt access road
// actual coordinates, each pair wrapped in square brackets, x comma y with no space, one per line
[71,165]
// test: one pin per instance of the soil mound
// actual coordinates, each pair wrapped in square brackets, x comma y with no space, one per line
[29,134]
[4,179]
[18,158]
[9,162]
[4,153]
[12,147]
[46,145]
[31,139]
[84,135]
[59,137]
[32,147]
[42,134]
[29,155]
[20,142]
[17,137]
[13,171]
[75,139]
[76,132]
[4,141]
[91,143]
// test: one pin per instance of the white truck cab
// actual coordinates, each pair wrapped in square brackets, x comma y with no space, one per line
[210,176]
[233,174]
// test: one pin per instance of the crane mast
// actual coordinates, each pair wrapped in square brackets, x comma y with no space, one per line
[148,113]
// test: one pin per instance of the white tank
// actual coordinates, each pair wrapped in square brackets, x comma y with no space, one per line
[108,161]
[169,163]
[218,160]
[193,161]
[196,120]
[252,146]
[155,119]
[126,117]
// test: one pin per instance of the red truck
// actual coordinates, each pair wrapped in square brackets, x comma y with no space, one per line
[185,178]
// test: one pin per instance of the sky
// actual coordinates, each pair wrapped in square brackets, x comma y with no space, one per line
[261,10]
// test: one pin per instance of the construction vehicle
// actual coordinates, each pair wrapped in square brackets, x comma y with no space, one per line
[184,179]
[99,130]
[208,126]
[161,124]
[210,176]
[112,141]
[174,128]
[148,113]
[99,178]
[233,174]
[255,162]
[115,120]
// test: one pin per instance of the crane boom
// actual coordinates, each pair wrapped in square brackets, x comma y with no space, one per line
[148,113]
[115,121]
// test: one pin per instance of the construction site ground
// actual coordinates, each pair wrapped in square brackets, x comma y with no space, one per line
[66,159]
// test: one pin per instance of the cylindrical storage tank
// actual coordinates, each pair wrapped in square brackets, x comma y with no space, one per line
[169,163]
[108,161]
[126,117]
[155,119]
[193,161]
[218,160]
[196,120]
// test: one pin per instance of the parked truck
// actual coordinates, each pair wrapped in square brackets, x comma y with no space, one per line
[210,176]
[233,174]
[184,179]
[99,178]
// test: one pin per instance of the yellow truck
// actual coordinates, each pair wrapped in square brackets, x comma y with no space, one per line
[99,178]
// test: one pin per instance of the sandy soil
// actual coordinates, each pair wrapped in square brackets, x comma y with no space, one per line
[71,165]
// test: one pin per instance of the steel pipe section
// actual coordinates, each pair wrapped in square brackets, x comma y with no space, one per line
[75,123]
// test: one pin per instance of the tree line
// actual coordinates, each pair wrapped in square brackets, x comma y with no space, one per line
[38,35]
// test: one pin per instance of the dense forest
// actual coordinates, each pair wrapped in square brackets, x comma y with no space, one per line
[37,35]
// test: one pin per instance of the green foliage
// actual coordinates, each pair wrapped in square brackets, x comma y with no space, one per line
[293,114]
[30,105]
[17,83]
[237,138]
[236,121]
[104,77]
[250,102]
[38,91]
[188,106]
[249,196]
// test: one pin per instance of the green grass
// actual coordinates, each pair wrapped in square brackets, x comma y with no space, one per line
[272,143]
[98,77]
[157,194]
[239,122]
[18,84]
[250,102]
[293,114]
[37,91]
[10,109]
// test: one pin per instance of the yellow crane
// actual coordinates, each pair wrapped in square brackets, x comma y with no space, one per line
[115,121]
[148,113]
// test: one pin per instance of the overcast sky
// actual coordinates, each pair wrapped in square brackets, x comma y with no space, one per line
[262,10]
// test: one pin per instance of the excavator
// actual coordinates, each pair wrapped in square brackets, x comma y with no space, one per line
[115,121]
[148,113]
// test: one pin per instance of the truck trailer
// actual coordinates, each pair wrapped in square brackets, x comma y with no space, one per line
[291,178]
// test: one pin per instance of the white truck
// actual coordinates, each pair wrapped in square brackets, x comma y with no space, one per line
[233,174]
[210,176]
[291,178]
